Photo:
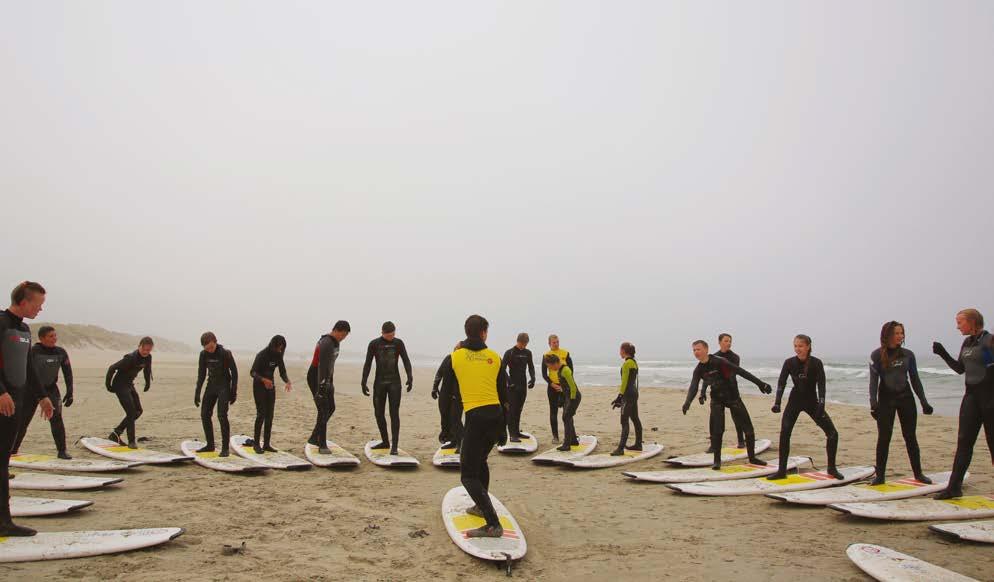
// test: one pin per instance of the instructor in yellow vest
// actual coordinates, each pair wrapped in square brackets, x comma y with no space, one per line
[483,387]
[554,390]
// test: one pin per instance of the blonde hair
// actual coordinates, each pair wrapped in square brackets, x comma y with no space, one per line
[973,316]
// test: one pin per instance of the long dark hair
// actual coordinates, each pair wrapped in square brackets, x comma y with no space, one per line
[887,332]
[278,341]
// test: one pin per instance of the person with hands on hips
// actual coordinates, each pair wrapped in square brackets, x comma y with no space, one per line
[217,365]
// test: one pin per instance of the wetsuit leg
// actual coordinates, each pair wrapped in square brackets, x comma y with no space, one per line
[223,398]
[885,428]
[569,412]
[970,420]
[128,397]
[393,396]
[456,430]
[632,410]
[743,423]
[518,393]
[555,401]
[908,413]
[24,410]
[825,423]
[444,406]
[790,414]
[57,425]
[259,395]
[207,405]
[483,428]
[740,434]
[270,410]
[625,412]
[9,428]
[716,424]
[379,411]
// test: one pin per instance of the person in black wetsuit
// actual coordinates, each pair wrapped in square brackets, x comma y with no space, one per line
[976,361]
[807,395]
[628,400]
[516,361]
[48,359]
[121,381]
[891,366]
[446,390]
[717,373]
[725,352]
[16,379]
[264,390]
[387,350]
[217,365]
[321,381]
[554,391]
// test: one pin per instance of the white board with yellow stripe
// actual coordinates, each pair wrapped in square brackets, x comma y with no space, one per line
[80,544]
[728,454]
[230,464]
[555,456]
[53,463]
[511,546]
[899,489]
[383,458]
[603,460]
[967,507]
[337,456]
[726,473]
[445,458]
[108,448]
[240,444]
[798,482]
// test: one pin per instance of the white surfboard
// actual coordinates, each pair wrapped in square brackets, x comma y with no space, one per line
[211,460]
[900,489]
[120,452]
[798,482]
[278,460]
[528,444]
[339,457]
[604,460]
[53,463]
[969,507]
[726,473]
[53,482]
[80,544]
[36,506]
[555,456]
[728,454]
[511,546]
[445,458]
[886,565]
[974,531]
[383,458]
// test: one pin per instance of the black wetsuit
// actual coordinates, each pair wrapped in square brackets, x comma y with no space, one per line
[517,363]
[16,379]
[717,373]
[265,365]
[890,396]
[446,386]
[807,395]
[734,358]
[47,363]
[976,361]
[555,397]
[121,381]
[321,381]
[386,383]
[219,368]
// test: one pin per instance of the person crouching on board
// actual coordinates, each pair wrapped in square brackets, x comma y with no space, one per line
[121,381]
[48,359]
[218,366]
[483,386]
[628,400]
[571,399]
[446,390]
[264,391]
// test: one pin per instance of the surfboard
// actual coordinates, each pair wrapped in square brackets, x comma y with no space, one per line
[604,460]
[726,473]
[900,489]
[120,452]
[728,454]
[528,444]
[798,482]
[229,464]
[968,507]
[52,482]
[445,458]
[53,463]
[79,544]
[339,457]
[974,531]
[555,456]
[279,460]
[886,565]
[383,458]
[511,546]
[37,506]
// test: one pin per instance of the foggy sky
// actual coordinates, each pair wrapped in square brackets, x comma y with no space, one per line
[644,171]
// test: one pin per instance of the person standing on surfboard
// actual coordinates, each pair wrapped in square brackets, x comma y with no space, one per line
[554,390]
[628,400]
[483,386]
[717,372]
[264,391]
[387,350]
[891,366]
[725,351]
[808,395]
[517,360]
[217,365]
[48,359]
[121,381]
[976,361]
[571,399]
[321,381]
[446,390]
[16,378]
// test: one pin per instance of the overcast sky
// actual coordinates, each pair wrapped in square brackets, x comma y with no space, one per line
[644,171]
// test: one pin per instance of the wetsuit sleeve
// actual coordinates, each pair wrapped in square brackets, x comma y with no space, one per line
[369,361]
[567,374]
[201,372]
[569,360]
[3,385]
[282,367]
[741,372]
[502,395]
[955,365]
[626,371]
[916,381]
[531,367]
[34,380]
[439,374]
[66,371]
[820,379]
[695,382]
[326,373]
[407,360]
[874,381]
[505,361]
[234,370]
[782,380]
[112,371]
[256,364]
[545,372]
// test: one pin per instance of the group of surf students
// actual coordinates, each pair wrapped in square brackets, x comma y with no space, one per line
[490,392]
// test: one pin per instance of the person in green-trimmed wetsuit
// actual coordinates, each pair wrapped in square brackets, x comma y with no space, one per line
[628,400]
[571,399]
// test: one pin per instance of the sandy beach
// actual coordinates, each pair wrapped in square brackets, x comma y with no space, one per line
[359,524]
